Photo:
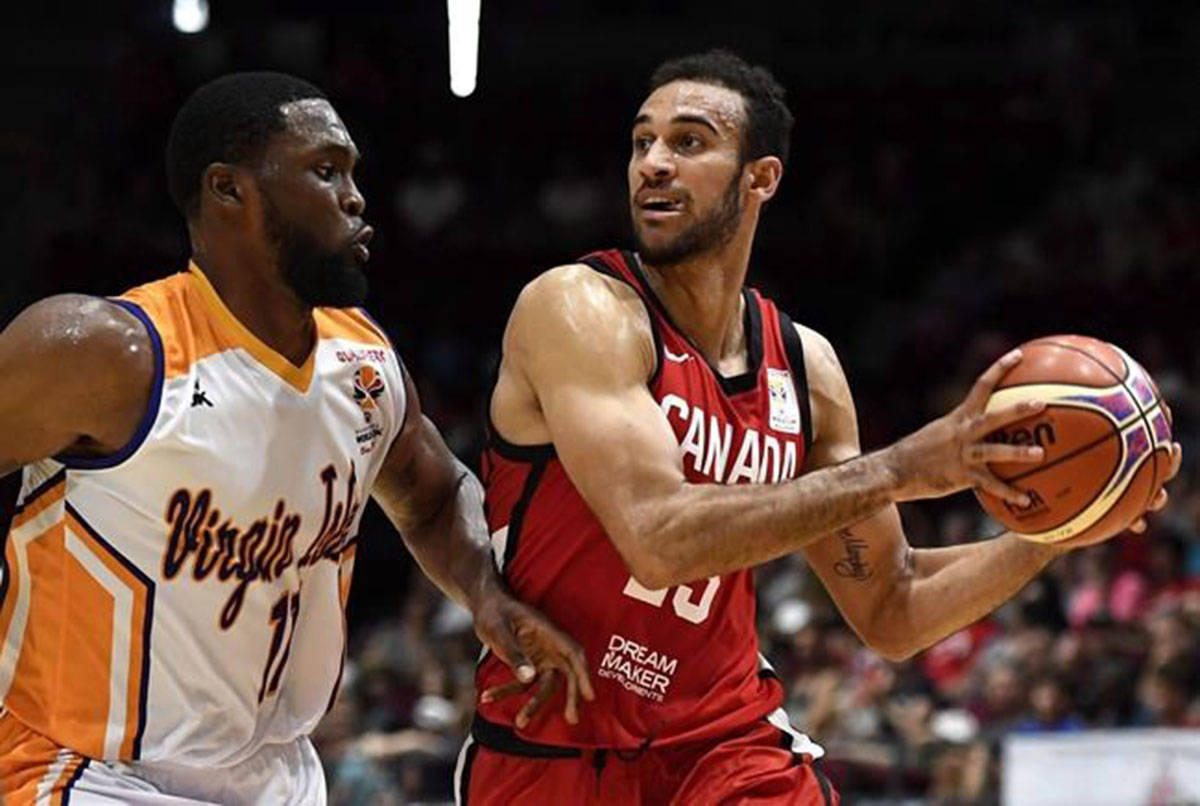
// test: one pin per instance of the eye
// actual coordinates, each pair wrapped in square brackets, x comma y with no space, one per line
[690,142]
[642,143]
[326,171]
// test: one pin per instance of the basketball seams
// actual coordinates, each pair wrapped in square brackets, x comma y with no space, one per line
[1158,401]
[1093,512]
[1070,455]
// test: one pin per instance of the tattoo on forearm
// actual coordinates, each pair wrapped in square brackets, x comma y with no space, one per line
[853,565]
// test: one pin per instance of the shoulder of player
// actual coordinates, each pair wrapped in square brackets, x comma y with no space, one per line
[580,291]
[829,391]
[91,341]
[575,300]
[820,359]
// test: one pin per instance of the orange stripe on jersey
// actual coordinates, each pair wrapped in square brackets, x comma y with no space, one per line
[10,587]
[195,323]
[66,779]
[30,762]
[345,574]
[53,691]
[235,334]
[188,333]
[38,501]
[81,669]
[349,324]
[137,667]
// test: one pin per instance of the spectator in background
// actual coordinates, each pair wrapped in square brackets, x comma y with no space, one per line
[1050,709]
[1166,694]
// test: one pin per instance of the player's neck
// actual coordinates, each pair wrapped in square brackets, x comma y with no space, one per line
[703,295]
[264,305]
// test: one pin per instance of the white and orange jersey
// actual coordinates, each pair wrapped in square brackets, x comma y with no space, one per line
[183,599]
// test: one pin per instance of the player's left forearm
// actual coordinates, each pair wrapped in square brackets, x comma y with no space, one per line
[946,589]
[452,546]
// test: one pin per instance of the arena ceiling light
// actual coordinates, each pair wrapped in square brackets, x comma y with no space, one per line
[464,45]
[189,16]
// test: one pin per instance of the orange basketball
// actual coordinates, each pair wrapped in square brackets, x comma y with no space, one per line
[1105,433]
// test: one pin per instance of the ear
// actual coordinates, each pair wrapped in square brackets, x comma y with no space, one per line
[223,185]
[764,173]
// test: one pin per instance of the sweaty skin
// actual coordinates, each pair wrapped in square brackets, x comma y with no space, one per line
[578,353]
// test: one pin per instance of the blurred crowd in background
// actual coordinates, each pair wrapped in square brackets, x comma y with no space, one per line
[961,181]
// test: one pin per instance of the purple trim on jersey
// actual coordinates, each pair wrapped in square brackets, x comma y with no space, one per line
[66,793]
[148,418]
[38,491]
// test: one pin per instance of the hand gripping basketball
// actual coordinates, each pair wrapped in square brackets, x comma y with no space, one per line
[951,454]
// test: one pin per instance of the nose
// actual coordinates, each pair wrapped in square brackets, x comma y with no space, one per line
[353,202]
[657,163]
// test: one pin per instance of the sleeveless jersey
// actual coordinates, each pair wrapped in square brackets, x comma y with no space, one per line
[183,599]
[668,665]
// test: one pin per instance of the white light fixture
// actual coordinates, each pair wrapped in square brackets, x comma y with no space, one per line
[464,45]
[190,16]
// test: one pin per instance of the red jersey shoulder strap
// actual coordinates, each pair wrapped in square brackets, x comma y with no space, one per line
[622,266]
[794,350]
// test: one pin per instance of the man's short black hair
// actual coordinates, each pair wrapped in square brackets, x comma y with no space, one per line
[230,119]
[768,120]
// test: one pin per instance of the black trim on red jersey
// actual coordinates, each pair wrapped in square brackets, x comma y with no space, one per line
[517,518]
[511,450]
[594,261]
[541,452]
[504,740]
[795,356]
[751,322]
[823,782]
[464,783]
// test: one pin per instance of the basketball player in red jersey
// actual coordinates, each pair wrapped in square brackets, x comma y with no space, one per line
[658,430]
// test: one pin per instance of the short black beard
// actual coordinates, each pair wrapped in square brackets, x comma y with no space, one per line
[710,233]
[321,279]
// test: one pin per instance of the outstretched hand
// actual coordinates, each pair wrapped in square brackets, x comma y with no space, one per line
[537,652]
[950,454]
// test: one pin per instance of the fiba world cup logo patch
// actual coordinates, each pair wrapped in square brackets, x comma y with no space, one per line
[785,412]
[368,387]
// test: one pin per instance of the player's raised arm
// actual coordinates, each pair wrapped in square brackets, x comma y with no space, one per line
[75,376]
[898,599]
[581,345]
[436,503]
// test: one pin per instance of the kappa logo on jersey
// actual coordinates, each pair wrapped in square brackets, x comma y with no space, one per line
[785,413]
[261,551]
[368,387]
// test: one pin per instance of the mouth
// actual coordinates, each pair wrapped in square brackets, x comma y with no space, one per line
[358,245]
[655,205]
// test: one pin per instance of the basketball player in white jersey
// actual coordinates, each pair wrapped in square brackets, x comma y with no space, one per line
[195,457]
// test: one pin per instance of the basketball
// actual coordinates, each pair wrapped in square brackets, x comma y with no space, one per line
[1105,432]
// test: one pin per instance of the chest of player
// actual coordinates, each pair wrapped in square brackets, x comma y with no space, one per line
[738,430]
[243,476]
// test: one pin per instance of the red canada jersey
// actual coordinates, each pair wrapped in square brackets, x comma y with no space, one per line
[668,665]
